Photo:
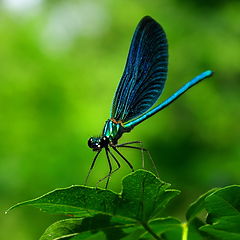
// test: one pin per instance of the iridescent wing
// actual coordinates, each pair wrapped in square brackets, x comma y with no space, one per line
[145,72]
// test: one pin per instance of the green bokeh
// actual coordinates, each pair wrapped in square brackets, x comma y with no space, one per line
[60,63]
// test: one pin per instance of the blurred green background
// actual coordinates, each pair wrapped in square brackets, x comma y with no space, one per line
[60,63]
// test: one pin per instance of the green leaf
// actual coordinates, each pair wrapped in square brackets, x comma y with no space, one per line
[135,234]
[170,228]
[79,228]
[198,205]
[75,201]
[174,234]
[224,202]
[225,228]
[143,196]
[223,207]
[192,230]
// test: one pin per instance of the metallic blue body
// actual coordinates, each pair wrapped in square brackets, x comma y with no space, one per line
[113,131]
[164,104]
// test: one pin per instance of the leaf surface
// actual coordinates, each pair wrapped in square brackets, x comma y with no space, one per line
[224,202]
[143,196]
[225,228]
[198,205]
[99,226]
[170,228]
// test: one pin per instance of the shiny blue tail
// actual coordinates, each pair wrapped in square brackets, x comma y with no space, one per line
[164,104]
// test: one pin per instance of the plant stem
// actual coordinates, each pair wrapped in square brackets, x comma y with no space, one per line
[148,229]
[185,231]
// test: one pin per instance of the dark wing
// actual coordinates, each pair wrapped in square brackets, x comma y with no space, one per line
[145,72]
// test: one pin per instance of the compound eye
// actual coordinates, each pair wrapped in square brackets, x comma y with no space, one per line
[90,142]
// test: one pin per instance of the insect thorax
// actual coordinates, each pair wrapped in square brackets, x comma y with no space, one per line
[113,130]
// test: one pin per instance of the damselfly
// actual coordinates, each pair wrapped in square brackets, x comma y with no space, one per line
[139,88]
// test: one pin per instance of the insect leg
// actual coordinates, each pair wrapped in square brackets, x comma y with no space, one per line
[110,169]
[93,162]
[129,164]
[143,150]
[153,163]
[118,166]
[127,143]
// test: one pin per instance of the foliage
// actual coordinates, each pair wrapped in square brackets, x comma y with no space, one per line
[135,213]
[61,62]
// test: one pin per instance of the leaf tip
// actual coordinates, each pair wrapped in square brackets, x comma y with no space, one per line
[14,206]
[9,209]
